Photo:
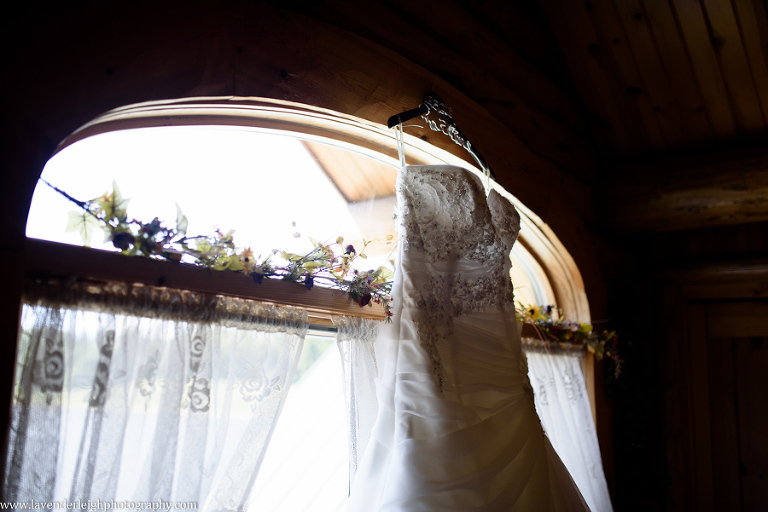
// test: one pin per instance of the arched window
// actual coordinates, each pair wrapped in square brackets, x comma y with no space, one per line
[258,166]
[358,158]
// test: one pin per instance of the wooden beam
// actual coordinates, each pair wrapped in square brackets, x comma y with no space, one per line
[684,193]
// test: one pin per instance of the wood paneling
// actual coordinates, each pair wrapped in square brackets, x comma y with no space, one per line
[357,177]
[703,61]
[751,361]
[715,360]
[729,344]
[700,436]
[750,17]
[674,57]
[726,40]
[684,72]
[725,428]
[648,57]
[599,87]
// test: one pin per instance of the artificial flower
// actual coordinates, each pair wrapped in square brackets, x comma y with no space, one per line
[219,252]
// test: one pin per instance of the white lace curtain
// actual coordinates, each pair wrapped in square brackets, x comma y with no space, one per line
[138,393]
[355,338]
[560,395]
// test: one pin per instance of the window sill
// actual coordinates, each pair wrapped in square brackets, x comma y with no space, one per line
[52,260]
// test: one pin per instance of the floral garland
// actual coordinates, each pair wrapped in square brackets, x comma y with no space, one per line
[152,239]
[557,330]
[321,264]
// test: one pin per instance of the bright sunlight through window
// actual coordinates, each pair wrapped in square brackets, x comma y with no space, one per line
[266,188]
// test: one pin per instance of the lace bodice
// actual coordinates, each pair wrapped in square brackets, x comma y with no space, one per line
[463,238]
[456,247]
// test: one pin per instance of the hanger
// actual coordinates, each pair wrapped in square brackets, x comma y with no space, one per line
[444,124]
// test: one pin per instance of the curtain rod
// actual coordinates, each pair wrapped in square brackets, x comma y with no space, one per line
[143,299]
[325,329]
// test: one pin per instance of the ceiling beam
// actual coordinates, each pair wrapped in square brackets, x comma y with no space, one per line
[683,193]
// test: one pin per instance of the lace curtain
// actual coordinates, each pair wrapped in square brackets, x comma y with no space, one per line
[138,393]
[560,395]
[355,338]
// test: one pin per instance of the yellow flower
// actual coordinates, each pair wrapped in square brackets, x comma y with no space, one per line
[224,263]
[247,261]
[536,314]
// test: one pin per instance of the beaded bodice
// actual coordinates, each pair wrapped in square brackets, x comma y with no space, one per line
[456,243]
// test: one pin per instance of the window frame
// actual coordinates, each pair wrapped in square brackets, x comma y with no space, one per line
[545,254]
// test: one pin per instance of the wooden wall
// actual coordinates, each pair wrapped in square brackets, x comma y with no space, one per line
[685,299]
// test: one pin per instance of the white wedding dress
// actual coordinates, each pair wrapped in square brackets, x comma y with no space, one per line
[456,427]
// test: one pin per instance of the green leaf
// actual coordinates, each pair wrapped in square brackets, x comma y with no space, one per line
[113,205]
[84,223]
[181,221]
[290,256]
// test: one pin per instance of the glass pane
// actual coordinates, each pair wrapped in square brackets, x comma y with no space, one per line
[257,184]
[306,467]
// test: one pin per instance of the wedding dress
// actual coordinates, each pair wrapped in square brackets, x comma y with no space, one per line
[456,427]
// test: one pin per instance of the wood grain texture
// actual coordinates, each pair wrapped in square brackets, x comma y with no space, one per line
[700,458]
[614,39]
[596,85]
[52,260]
[751,357]
[681,193]
[726,39]
[696,36]
[648,57]
[750,18]
[677,66]
[725,450]
[357,177]
[676,402]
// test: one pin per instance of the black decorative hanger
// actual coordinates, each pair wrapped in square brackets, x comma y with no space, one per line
[444,124]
